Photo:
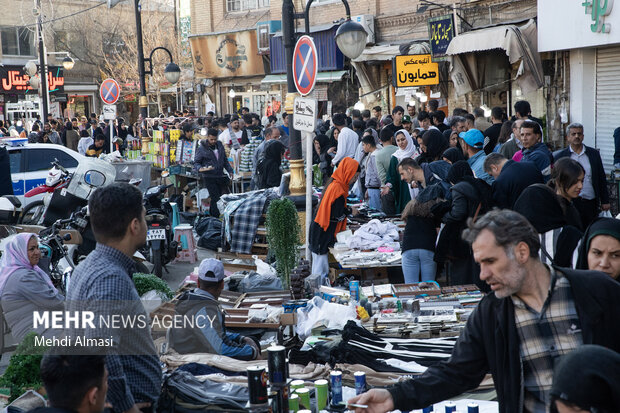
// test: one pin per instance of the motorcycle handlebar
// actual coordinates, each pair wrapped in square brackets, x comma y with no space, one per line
[59,166]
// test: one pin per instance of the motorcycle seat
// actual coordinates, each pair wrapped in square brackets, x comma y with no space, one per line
[13,200]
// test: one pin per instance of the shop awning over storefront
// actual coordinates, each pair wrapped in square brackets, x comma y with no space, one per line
[321,77]
[520,44]
[378,53]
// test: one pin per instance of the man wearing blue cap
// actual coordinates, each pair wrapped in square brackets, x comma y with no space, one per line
[472,143]
[209,334]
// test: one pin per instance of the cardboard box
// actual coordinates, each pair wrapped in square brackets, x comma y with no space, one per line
[288,319]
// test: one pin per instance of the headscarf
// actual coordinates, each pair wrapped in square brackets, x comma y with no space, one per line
[602,226]
[374,134]
[435,144]
[589,377]
[15,258]
[453,155]
[410,151]
[323,141]
[338,187]
[458,171]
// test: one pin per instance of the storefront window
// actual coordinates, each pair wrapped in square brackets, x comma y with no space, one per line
[77,104]
[17,41]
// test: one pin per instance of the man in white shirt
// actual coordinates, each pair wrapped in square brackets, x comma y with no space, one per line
[232,136]
[347,139]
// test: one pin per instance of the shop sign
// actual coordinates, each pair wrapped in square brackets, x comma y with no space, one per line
[414,70]
[597,10]
[440,33]
[304,114]
[14,80]
[227,55]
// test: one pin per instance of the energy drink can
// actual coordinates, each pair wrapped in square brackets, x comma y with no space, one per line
[335,378]
[297,384]
[293,403]
[257,385]
[450,407]
[428,409]
[354,290]
[360,382]
[321,388]
[304,397]
[279,403]
[472,408]
[276,363]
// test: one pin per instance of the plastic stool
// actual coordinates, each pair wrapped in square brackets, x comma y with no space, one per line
[183,234]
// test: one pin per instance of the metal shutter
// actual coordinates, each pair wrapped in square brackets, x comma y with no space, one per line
[607,102]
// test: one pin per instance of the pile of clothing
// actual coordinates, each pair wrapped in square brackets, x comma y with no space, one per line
[373,235]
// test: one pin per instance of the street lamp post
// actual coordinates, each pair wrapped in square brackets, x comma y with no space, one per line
[351,39]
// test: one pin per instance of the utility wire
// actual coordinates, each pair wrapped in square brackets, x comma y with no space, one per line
[62,17]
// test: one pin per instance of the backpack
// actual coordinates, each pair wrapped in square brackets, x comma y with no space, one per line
[260,171]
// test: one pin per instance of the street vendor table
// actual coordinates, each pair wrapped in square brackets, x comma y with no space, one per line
[127,170]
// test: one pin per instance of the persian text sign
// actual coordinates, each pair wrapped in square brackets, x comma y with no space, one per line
[226,55]
[598,9]
[440,33]
[14,80]
[414,70]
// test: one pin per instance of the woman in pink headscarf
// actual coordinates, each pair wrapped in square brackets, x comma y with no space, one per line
[24,287]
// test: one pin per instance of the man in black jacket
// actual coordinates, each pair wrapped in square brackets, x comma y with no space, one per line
[210,161]
[511,178]
[594,195]
[536,314]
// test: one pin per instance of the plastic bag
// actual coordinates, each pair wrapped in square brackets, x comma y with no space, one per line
[319,311]
[151,300]
[605,214]
[263,268]
[260,282]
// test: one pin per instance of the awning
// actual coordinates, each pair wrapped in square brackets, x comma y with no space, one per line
[520,44]
[378,53]
[321,77]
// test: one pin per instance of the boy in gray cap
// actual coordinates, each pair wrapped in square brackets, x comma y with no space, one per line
[209,334]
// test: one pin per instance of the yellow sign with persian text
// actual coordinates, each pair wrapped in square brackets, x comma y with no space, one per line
[414,70]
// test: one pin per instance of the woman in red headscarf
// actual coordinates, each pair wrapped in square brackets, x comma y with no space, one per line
[330,217]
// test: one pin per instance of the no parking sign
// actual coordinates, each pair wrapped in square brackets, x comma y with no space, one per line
[305,65]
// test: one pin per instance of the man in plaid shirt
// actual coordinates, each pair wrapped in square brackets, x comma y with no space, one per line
[535,315]
[102,284]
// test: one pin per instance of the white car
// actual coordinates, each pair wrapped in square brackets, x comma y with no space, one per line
[31,162]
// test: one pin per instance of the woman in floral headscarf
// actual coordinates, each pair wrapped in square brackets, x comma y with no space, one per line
[24,287]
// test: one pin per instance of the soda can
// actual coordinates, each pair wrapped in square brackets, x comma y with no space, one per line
[297,384]
[293,403]
[472,408]
[322,391]
[279,402]
[428,409]
[257,385]
[335,378]
[450,407]
[354,290]
[360,382]
[276,363]
[304,397]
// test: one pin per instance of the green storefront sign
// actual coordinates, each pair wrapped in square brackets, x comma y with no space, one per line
[598,9]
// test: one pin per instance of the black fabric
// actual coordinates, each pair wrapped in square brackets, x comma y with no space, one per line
[323,141]
[599,179]
[589,377]
[50,410]
[420,233]
[205,157]
[6,185]
[540,205]
[601,226]
[453,155]
[320,240]
[458,171]
[492,133]
[571,213]
[198,369]
[393,129]
[490,343]
[216,187]
[268,168]
[435,171]
[209,229]
[588,210]
[435,144]
[512,181]
[567,243]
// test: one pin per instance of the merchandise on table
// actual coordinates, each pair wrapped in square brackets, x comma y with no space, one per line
[321,389]
[450,407]
[279,402]
[360,382]
[335,378]
[276,363]
[304,397]
[293,402]
[472,408]
[257,385]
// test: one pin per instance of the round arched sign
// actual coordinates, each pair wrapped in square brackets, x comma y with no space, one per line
[305,65]
[109,91]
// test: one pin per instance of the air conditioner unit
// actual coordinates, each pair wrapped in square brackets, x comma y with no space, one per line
[264,31]
[368,23]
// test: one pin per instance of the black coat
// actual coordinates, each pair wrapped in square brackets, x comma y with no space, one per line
[268,167]
[6,185]
[490,343]
[514,178]
[599,179]
[205,157]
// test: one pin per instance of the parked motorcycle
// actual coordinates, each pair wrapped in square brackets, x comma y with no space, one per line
[57,177]
[160,246]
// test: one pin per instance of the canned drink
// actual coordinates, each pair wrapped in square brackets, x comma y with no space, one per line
[360,382]
[322,391]
[354,290]
[472,408]
[428,409]
[276,363]
[304,397]
[279,402]
[297,384]
[257,385]
[293,402]
[450,407]
[335,378]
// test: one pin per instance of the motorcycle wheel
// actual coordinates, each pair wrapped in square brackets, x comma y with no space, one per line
[157,265]
[32,214]
[141,268]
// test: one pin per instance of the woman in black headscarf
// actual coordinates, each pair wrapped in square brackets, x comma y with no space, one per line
[453,155]
[600,247]
[435,144]
[320,156]
[269,167]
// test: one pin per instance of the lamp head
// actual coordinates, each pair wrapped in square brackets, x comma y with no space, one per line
[351,39]
[30,68]
[232,93]
[34,82]
[172,72]
[68,63]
